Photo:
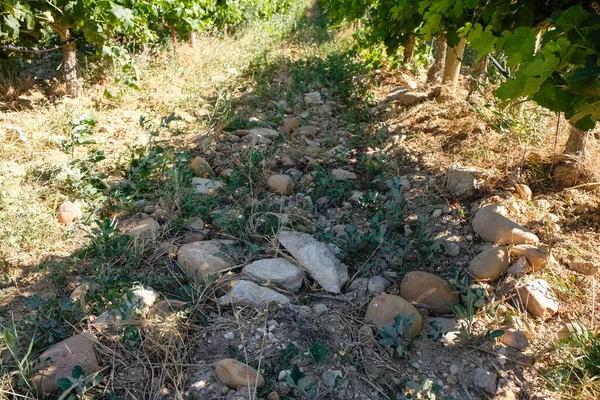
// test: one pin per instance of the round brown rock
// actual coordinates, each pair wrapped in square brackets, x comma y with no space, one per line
[489,264]
[514,338]
[496,228]
[281,184]
[290,125]
[235,374]
[69,212]
[425,288]
[384,308]
[201,168]
[63,356]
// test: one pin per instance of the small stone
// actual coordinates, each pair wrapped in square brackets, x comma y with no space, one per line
[303,313]
[523,191]
[452,379]
[236,375]
[494,227]
[384,308]
[570,330]
[320,309]
[205,186]
[145,297]
[201,168]
[273,396]
[485,380]
[519,268]
[195,224]
[281,184]
[489,264]
[308,131]
[226,173]
[460,181]
[454,369]
[229,335]
[341,175]
[538,299]
[160,215]
[166,308]
[288,162]
[240,132]
[63,356]
[313,98]
[429,289]
[282,375]
[451,248]
[147,229]
[201,259]
[69,212]
[193,237]
[378,284]
[538,256]
[290,124]
[246,293]
[436,213]
[514,338]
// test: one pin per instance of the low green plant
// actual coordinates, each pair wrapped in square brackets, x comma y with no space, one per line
[80,134]
[576,369]
[298,380]
[425,390]
[75,386]
[396,335]
[470,299]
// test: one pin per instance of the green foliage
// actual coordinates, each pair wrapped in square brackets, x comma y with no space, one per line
[78,383]
[576,368]
[305,386]
[318,352]
[395,335]
[470,299]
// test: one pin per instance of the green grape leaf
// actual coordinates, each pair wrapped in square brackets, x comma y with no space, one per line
[537,72]
[483,41]
[511,89]
[571,18]
[586,80]
[12,24]
[518,46]
[590,110]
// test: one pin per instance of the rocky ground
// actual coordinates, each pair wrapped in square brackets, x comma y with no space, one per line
[319,248]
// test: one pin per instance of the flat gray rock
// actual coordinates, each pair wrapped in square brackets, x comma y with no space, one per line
[246,293]
[277,271]
[317,258]
[205,186]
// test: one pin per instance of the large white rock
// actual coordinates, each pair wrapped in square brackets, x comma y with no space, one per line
[201,259]
[246,293]
[277,271]
[205,186]
[317,258]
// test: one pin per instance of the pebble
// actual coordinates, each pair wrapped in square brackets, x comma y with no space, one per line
[485,380]
[229,335]
[378,284]
[514,338]
[320,309]
[452,379]
[436,213]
